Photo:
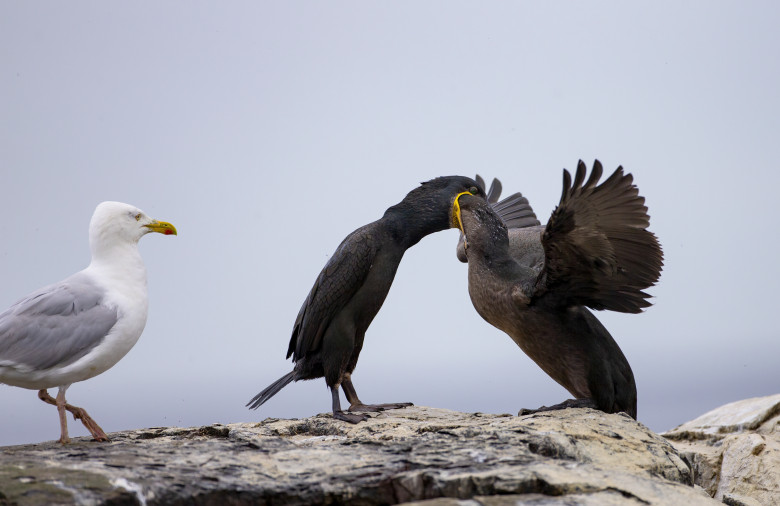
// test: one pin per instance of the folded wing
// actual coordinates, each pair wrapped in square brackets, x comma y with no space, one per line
[54,326]
[338,282]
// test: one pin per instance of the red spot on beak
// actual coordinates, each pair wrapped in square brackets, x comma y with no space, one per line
[168,232]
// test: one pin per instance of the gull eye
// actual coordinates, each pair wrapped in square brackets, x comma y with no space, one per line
[137,217]
[473,190]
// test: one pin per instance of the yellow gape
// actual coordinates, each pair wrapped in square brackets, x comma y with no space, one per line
[456,211]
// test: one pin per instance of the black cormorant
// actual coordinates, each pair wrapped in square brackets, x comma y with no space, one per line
[328,333]
[534,283]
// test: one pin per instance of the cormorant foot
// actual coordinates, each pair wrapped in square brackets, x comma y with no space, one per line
[379,407]
[347,417]
[570,403]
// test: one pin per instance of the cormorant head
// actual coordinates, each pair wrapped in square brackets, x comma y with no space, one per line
[430,205]
[480,224]
[493,195]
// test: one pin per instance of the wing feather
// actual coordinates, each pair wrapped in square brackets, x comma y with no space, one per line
[494,193]
[336,284]
[515,211]
[55,326]
[598,251]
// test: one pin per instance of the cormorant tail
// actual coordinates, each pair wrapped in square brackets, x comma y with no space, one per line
[271,390]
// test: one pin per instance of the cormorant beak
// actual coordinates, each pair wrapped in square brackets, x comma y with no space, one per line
[162,227]
[456,221]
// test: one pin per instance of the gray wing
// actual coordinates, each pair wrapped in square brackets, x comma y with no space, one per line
[494,193]
[55,326]
[515,211]
[525,247]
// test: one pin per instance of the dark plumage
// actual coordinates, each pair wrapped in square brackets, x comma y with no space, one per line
[534,283]
[514,211]
[328,334]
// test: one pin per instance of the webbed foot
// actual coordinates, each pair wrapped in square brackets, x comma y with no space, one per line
[348,417]
[570,403]
[379,407]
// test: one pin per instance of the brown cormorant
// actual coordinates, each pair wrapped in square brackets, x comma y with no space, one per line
[328,333]
[595,251]
[515,212]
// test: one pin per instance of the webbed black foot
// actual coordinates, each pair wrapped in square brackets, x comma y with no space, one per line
[378,407]
[348,417]
[570,403]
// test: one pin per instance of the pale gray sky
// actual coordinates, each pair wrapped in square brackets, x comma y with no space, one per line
[266,132]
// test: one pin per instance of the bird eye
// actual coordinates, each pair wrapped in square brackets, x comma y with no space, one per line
[138,217]
[473,190]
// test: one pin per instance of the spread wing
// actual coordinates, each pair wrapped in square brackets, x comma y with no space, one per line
[515,211]
[337,283]
[598,251]
[494,192]
[54,326]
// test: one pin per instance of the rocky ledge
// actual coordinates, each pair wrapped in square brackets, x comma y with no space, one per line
[439,457]
[734,451]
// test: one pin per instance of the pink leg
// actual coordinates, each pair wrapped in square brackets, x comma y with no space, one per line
[78,414]
[89,423]
[60,403]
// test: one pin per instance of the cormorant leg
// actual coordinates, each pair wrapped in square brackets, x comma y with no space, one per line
[356,404]
[570,403]
[338,414]
[43,395]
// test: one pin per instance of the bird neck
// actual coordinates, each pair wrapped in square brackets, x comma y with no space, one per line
[487,241]
[409,222]
[119,261]
[492,254]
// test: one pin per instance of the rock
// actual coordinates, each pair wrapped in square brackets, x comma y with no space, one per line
[734,451]
[440,457]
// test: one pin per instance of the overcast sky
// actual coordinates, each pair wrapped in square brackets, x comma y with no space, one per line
[266,132]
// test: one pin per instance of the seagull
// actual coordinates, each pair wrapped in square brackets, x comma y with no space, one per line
[80,327]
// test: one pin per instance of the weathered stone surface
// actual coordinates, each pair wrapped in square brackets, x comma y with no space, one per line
[582,457]
[735,451]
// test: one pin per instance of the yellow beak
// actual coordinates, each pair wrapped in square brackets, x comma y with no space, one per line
[456,212]
[163,227]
